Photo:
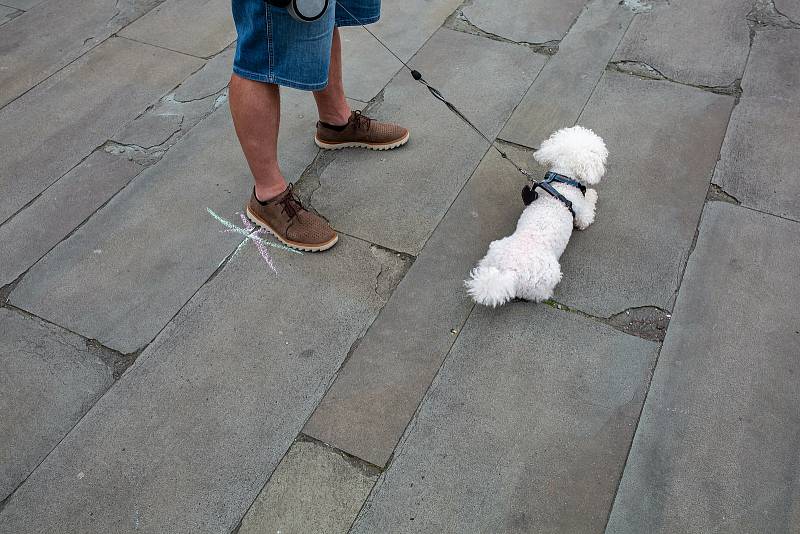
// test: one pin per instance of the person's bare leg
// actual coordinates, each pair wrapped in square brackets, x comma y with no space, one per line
[331,103]
[256,111]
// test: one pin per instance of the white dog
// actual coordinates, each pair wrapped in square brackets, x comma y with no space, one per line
[525,264]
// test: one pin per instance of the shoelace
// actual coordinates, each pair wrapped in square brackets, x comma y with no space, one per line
[360,119]
[290,204]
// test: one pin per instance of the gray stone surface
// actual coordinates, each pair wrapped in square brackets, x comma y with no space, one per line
[8,13]
[377,391]
[537,21]
[188,436]
[755,166]
[415,185]
[60,209]
[790,8]
[53,34]
[22,4]
[701,43]
[53,127]
[211,79]
[164,123]
[368,67]
[314,489]
[149,130]
[716,449]
[663,140]
[201,28]
[122,276]
[559,93]
[404,27]
[49,379]
[525,429]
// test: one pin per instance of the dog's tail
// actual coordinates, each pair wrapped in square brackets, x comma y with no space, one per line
[490,286]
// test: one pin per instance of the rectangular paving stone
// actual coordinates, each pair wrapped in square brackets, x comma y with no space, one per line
[716,448]
[49,380]
[29,235]
[525,21]
[756,166]
[187,438]
[414,186]
[377,392]
[404,27]
[314,489]
[53,127]
[123,275]
[663,140]
[201,28]
[700,43]
[525,429]
[559,93]
[52,34]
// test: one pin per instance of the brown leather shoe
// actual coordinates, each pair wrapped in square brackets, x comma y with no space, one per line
[293,225]
[362,132]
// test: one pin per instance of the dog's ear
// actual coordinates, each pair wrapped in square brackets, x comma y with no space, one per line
[576,151]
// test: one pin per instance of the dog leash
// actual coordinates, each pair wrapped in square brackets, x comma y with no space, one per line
[529,191]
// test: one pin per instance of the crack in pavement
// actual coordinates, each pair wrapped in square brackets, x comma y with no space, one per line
[459,22]
[644,70]
[765,15]
[717,194]
[646,322]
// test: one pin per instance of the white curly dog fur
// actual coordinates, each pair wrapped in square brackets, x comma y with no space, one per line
[525,264]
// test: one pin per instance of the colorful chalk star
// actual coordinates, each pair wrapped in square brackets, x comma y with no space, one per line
[252,234]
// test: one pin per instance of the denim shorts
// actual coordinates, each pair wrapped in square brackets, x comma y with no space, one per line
[275,48]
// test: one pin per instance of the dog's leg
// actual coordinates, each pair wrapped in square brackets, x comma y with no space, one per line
[584,210]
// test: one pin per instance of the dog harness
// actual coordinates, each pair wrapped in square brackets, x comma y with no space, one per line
[529,193]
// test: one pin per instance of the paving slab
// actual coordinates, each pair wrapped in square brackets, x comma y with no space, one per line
[404,27]
[415,185]
[201,28]
[123,275]
[699,43]
[53,127]
[557,97]
[210,80]
[163,124]
[187,438]
[8,13]
[314,489]
[663,140]
[525,21]
[30,234]
[790,8]
[49,380]
[526,428]
[22,4]
[725,386]
[755,166]
[377,392]
[53,34]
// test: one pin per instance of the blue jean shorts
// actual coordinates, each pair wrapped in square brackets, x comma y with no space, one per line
[275,48]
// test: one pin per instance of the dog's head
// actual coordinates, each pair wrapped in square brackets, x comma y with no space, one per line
[576,152]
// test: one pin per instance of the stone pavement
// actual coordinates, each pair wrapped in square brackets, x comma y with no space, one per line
[156,376]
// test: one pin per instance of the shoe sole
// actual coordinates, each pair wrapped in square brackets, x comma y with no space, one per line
[293,244]
[355,144]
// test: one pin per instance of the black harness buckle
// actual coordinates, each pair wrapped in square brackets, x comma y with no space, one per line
[529,193]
